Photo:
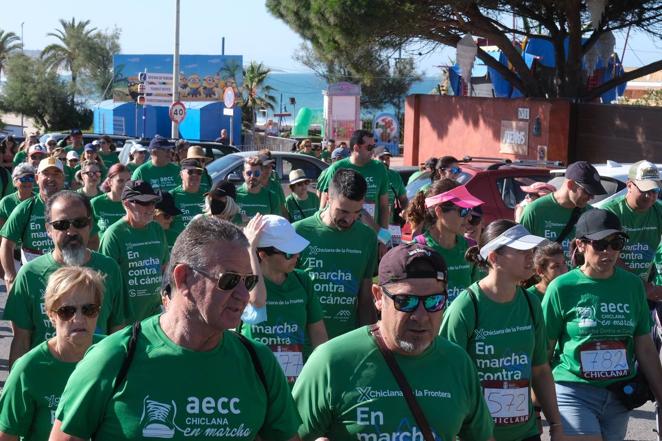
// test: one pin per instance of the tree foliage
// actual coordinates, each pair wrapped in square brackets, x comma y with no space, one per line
[340,26]
[255,94]
[98,57]
[39,93]
[382,82]
[9,44]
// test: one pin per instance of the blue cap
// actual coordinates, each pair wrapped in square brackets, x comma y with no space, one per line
[339,153]
[159,142]
[90,147]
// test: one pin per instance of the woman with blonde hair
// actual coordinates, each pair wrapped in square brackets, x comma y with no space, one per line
[31,394]
[89,176]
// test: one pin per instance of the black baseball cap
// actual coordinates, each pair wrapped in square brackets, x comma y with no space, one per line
[412,261]
[596,224]
[139,191]
[191,164]
[76,132]
[223,188]
[585,175]
[159,142]
[167,204]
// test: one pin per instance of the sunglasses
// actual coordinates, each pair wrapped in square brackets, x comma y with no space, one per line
[475,220]
[271,251]
[36,157]
[454,170]
[92,172]
[24,179]
[64,224]
[194,172]
[72,160]
[462,212]
[654,191]
[144,204]
[409,302]
[251,173]
[66,313]
[370,147]
[229,280]
[616,244]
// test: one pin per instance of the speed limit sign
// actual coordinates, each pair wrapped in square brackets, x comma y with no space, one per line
[177,112]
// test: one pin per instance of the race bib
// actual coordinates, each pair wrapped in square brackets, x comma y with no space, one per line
[508,401]
[290,359]
[370,208]
[603,360]
[396,234]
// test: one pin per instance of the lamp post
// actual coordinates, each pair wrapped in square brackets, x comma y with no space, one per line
[175,70]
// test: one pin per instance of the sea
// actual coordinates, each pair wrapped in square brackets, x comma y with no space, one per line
[307,88]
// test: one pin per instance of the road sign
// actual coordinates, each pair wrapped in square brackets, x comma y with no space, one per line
[158,88]
[177,112]
[228,112]
[228,97]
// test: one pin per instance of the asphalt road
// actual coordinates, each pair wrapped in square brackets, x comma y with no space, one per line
[640,427]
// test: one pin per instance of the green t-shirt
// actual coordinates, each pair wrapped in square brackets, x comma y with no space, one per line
[263,202]
[276,187]
[69,175]
[299,209]
[533,290]
[544,217]
[141,253]
[337,261]
[417,175]
[163,178]
[346,391]
[459,270]
[291,307]
[325,156]
[132,166]
[644,230]
[32,392]
[594,322]
[191,205]
[657,279]
[108,159]
[396,187]
[7,205]
[20,157]
[505,343]
[106,212]
[375,175]
[27,225]
[217,394]
[25,303]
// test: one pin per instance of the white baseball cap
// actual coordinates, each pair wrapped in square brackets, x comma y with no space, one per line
[37,148]
[279,233]
[72,155]
[138,148]
[50,162]
[645,175]
[517,237]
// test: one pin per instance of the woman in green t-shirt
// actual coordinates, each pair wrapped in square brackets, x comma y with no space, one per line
[36,381]
[502,329]
[90,176]
[598,324]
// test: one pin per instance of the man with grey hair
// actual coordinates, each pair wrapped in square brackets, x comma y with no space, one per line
[68,224]
[226,386]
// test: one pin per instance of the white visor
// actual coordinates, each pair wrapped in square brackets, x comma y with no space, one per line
[516,237]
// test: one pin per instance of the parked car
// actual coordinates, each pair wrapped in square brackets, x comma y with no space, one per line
[118,140]
[213,150]
[230,167]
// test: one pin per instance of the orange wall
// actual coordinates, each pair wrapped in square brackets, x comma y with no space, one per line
[438,125]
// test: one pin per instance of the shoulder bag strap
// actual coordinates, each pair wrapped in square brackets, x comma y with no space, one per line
[303,216]
[130,352]
[414,407]
[574,216]
[528,302]
[256,361]
[474,300]
[25,225]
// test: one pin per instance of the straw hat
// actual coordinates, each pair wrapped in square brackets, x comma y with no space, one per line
[197,152]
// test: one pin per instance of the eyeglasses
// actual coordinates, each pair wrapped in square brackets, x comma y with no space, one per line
[251,173]
[103,142]
[654,191]
[409,302]
[270,251]
[92,172]
[616,244]
[72,160]
[191,172]
[27,178]
[229,280]
[66,313]
[454,170]
[37,157]
[475,220]
[462,212]
[65,224]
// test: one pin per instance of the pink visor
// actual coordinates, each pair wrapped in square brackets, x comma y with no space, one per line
[541,188]
[459,196]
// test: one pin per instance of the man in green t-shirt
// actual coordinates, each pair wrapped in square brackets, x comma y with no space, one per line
[76,142]
[252,196]
[226,387]
[270,179]
[26,223]
[548,216]
[69,225]
[159,171]
[640,214]
[342,255]
[347,390]
[376,211]
[301,203]
[189,198]
[140,247]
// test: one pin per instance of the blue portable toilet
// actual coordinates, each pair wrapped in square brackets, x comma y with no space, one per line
[126,118]
[205,119]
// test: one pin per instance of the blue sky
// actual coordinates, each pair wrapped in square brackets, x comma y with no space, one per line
[148,27]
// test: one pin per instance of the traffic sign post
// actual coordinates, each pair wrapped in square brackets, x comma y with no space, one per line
[228,100]
[177,112]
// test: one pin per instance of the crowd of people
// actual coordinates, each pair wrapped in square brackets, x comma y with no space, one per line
[147,301]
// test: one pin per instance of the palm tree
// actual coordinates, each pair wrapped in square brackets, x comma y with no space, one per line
[256,94]
[9,43]
[68,53]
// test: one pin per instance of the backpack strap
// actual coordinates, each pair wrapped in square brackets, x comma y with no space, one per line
[528,302]
[254,358]
[25,225]
[474,299]
[4,176]
[130,352]
[574,216]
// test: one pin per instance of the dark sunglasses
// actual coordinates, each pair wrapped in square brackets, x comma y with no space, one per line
[252,173]
[271,251]
[35,157]
[143,204]
[616,244]
[28,178]
[462,212]
[72,160]
[64,224]
[454,170]
[409,302]
[191,172]
[229,280]
[66,313]
[654,191]
[475,220]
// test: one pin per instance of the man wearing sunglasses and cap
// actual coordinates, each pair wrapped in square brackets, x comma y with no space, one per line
[188,376]
[188,197]
[439,378]
[252,196]
[640,214]
[140,247]
[159,171]
[69,225]
[554,216]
